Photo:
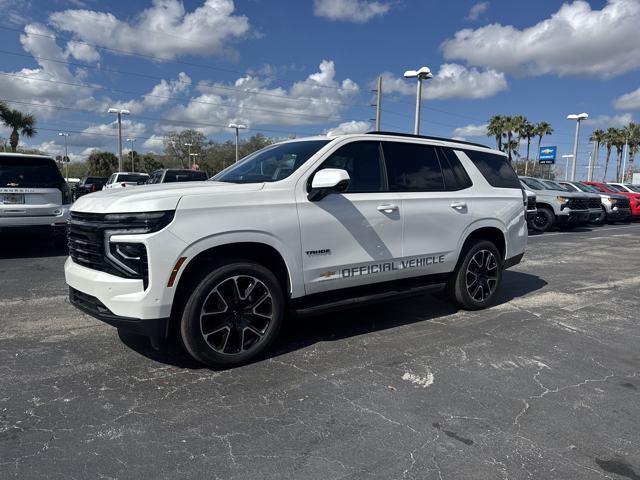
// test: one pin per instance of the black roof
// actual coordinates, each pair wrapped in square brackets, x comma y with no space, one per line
[427,137]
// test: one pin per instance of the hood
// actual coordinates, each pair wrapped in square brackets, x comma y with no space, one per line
[153,198]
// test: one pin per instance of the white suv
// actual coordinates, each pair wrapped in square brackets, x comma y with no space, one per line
[125,179]
[306,225]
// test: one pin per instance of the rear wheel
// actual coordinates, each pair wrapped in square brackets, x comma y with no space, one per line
[543,220]
[475,282]
[233,315]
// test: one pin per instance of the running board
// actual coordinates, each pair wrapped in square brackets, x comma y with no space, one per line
[318,306]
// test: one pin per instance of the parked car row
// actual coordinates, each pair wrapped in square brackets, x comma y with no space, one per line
[567,204]
[131,179]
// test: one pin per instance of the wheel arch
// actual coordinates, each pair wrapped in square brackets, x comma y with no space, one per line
[490,231]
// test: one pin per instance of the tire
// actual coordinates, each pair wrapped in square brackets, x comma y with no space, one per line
[603,217]
[543,220]
[233,315]
[481,265]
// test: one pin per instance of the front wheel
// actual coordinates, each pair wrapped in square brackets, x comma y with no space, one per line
[233,315]
[475,282]
[543,220]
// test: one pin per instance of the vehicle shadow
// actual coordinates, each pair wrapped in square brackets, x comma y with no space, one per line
[32,244]
[304,332]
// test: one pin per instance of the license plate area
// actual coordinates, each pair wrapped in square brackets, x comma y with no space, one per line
[13,199]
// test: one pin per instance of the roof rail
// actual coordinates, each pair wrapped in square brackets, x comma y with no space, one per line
[427,137]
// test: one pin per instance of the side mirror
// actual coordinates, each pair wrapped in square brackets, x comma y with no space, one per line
[326,181]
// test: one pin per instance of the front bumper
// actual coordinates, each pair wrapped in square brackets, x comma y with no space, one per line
[594,215]
[157,328]
[573,217]
[619,213]
[531,214]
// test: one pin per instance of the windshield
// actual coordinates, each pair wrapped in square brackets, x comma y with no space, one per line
[571,187]
[533,184]
[131,178]
[615,188]
[550,185]
[587,188]
[29,172]
[635,188]
[272,163]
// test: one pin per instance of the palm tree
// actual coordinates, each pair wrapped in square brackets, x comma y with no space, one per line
[619,140]
[496,128]
[527,131]
[597,136]
[19,123]
[633,136]
[609,139]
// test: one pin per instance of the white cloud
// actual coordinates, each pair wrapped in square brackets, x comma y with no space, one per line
[82,51]
[451,81]
[606,121]
[471,131]
[576,40]
[349,127]
[477,9]
[628,101]
[165,30]
[160,95]
[106,134]
[154,143]
[249,100]
[358,11]
[52,83]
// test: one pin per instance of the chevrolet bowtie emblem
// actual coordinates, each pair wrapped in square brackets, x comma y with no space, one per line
[328,274]
[12,184]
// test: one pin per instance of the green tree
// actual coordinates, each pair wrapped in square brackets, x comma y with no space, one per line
[633,136]
[19,123]
[609,139]
[149,163]
[496,128]
[619,141]
[597,136]
[102,164]
[176,148]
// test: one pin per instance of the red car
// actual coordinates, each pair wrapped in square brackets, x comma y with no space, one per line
[634,198]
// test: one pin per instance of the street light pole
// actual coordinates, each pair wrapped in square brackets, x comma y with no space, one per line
[131,140]
[566,166]
[193,165]
[237,127]
[119,112]
[66,154]
[578,118]
[423,73]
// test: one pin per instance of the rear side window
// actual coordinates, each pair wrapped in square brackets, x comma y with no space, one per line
[363,163]
[29,172]
[455,176]
[495,169]
[412,167]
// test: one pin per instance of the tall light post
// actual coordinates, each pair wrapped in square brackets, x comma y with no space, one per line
[423,73]
[578,118]
[189,145]
[131,140]
[193,164]
[66,154]
[237,127]
[120,112]
[566,166]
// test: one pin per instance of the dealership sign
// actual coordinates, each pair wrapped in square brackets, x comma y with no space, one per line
[548,155]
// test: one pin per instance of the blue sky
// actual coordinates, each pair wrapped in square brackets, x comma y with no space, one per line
[306,67]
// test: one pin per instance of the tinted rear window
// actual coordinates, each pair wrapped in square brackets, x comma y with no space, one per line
[29,172]
[184,176]
[495,169]
[412,167]
[131,178]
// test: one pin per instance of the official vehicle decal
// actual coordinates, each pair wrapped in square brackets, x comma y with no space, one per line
[318,253]
[376,268]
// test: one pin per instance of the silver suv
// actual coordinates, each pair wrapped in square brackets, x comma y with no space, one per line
[33,194]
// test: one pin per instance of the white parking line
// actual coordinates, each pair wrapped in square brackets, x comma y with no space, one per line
[595,230]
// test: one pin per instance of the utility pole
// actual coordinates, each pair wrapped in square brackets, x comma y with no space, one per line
[66,154]
[119,112]
[378,104]
[578,118]
[237,127]
[131,140]
[189,145]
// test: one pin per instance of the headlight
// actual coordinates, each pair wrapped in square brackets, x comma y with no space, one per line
[147,222]
[563,200]
[131,257]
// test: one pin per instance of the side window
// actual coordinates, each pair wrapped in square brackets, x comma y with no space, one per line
[363,163]
[170,177]
[112,179]
[495,169]
[412,167]
[455,176]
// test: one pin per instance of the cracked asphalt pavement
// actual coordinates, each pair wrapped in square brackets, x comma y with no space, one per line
[545,385]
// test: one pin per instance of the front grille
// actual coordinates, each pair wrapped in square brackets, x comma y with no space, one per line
[594,203]
[578,204]
[86,238]
[531,203]
[623,203]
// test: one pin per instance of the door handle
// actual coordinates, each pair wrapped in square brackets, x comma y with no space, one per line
[459,205]
[387,208]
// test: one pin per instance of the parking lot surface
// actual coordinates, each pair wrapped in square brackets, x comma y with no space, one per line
[544,385]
